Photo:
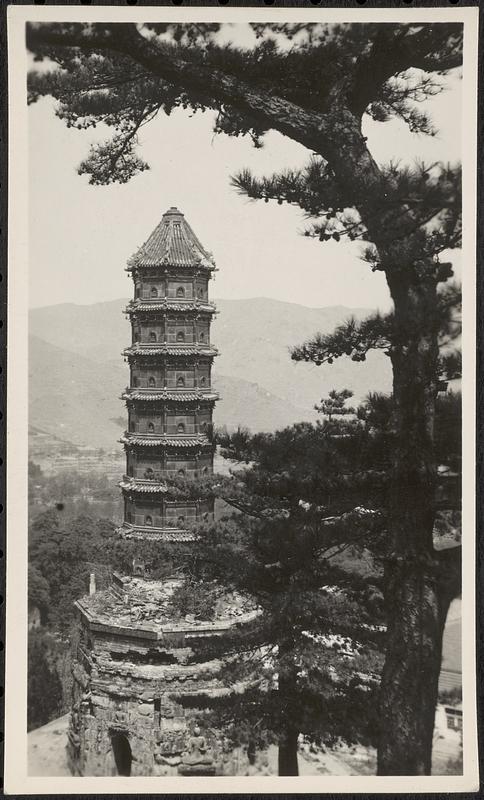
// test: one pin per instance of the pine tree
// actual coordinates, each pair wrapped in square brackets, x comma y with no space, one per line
[309,662]
[316,93]
[306,544]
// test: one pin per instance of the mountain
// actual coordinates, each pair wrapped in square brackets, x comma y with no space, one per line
[253,336]
[77,400]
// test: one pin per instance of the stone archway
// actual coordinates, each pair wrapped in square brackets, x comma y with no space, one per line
[123,756]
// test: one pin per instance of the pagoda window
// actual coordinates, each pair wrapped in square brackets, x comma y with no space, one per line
[149,474]
[180,381]
[137,291]
[154,291]
[180,428]
[131,425]
[151,427]
[202,381]
[135,380]
[202,336]
[200,292]
[149,521]
[205,471]
[180,337]
[151,381]
[181,473]
[180,292]
[181,519]
[152,336]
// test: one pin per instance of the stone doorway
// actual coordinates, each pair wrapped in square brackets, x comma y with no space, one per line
[122,753]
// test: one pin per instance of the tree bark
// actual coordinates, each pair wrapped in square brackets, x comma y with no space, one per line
[409,686]
[287,755]
[416,596]
[287,691]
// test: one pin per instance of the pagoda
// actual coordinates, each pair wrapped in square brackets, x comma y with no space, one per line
[136,659]
[170,400]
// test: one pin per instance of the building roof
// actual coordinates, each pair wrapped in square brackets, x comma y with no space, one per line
[167,534]
[172,243]
[143,606]
[138,349]
[170,304]
[145,487]
[170,394]
[155,440]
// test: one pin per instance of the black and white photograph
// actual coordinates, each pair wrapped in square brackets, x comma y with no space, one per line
[241,400]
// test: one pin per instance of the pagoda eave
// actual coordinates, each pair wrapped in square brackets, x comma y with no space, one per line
[128,531]
[143,486]
[170,350]
[147,306]
[164,440]
[206,266]
[167,394]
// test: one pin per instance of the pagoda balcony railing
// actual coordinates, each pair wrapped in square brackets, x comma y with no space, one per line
[169,430]
[143,475]
[172,340]
[189,341]
[168,521]
[197,391]
[155,439]
[178,348]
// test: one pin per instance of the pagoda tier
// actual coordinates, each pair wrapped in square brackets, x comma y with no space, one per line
[170,399]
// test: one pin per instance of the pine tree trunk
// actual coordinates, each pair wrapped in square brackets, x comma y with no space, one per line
[287,690]
[415,604]
[410,677]
[287,756]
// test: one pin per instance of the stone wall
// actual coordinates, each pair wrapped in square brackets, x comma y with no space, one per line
[126,720]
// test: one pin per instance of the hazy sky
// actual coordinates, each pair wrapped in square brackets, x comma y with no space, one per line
[81,235]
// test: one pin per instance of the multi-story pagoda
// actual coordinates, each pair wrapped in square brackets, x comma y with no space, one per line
[169,399]
[137,656]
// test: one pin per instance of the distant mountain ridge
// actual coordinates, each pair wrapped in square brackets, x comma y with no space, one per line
[77,399]
[77,372]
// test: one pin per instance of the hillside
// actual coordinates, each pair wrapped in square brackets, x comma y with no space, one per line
[77,399]
[253,337]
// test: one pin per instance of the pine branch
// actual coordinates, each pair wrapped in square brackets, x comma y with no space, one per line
[352,338]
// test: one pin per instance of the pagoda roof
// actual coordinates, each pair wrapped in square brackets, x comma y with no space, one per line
[170,304]
[138,349]
[145,487]
[129,531]
[155,440]
[172,243]
[143,608]
[169,394]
